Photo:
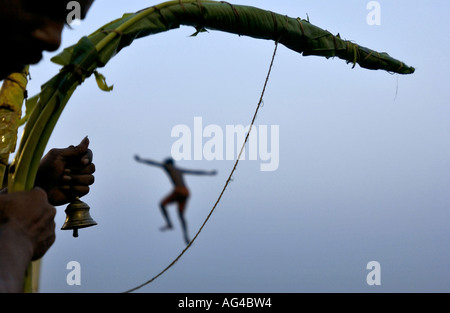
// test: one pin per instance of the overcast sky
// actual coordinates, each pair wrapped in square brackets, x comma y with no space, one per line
[363,158]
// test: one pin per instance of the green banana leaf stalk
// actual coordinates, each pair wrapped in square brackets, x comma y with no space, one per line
[295,33]
[12,95]
[80,61]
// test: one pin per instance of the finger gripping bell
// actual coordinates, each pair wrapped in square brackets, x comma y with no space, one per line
[77,216]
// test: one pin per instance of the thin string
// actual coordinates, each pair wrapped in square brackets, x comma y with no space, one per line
[226,184]
[396,90]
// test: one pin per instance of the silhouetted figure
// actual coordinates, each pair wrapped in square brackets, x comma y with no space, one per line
[180,194]
[27,226]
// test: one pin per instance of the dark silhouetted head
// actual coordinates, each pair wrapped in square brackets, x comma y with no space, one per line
[29,27]
[169,161]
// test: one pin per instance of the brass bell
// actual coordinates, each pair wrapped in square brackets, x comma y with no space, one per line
[77,216]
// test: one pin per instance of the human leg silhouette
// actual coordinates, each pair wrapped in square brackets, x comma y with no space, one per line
[179,195]
[162,206]
[181,209]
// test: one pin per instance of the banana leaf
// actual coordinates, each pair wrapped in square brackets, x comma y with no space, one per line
[295,33]
[12,95]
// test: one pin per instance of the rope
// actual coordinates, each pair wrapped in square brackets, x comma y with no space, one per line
[226,184]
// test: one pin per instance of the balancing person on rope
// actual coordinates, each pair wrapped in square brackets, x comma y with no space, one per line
[27,227]
[180,193]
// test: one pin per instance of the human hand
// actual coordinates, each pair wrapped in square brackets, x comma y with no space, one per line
[66,173]
[30,221]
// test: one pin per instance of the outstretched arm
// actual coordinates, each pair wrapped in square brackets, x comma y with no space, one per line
[146,161]
[198,172]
